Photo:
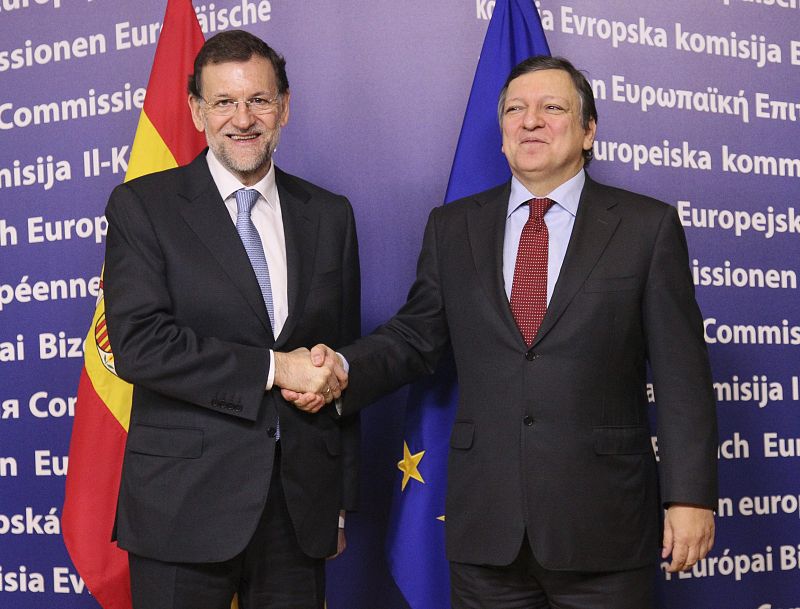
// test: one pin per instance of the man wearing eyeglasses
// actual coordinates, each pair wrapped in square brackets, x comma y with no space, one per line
[216,273]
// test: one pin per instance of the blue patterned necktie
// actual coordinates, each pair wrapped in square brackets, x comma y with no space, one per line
[245,199]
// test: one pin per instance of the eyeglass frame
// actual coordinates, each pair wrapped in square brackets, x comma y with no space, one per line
[271,107]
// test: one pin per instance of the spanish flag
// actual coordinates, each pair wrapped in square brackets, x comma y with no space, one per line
[165,138]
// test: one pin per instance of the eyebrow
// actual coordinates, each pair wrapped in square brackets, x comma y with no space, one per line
[547,98]
[256,94]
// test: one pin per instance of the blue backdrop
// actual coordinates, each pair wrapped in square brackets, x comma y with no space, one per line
[699,105]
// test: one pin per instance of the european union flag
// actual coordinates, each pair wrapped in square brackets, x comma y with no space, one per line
[416,531]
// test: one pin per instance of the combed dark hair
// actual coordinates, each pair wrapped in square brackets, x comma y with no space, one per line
[582,86]
[236,45]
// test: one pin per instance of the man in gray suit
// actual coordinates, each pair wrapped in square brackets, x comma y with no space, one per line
[555,292]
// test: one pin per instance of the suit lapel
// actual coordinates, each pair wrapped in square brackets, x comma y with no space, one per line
[300,225]
[486,226]
[594,226]
[204,211]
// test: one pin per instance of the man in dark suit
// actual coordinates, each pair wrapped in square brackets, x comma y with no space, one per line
[554,293]
[214,273]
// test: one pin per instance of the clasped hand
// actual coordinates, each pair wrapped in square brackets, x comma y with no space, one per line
[310,379]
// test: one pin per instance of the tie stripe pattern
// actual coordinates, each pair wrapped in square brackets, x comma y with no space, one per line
[529,287]
[245,200]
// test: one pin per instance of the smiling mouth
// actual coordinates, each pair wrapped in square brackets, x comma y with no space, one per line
[237,137]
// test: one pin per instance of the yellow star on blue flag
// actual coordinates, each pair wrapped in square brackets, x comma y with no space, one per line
[409,466]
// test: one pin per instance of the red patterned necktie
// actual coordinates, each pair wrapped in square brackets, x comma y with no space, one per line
[529,288]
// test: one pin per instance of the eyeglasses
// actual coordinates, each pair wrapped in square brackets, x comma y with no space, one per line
[256,105]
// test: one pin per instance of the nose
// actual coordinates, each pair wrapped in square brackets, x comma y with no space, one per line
[533,118]
[242,117]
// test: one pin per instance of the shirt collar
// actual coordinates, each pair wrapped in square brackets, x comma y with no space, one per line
[227,183]
[567,195]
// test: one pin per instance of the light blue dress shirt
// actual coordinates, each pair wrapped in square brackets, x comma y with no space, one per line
[560,220]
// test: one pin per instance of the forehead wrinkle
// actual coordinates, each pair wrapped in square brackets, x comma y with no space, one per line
[558,78]
[523,91]
[235,75]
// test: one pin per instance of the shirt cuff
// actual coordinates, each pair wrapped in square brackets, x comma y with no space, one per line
[271,374]
[345,363]
[338,404]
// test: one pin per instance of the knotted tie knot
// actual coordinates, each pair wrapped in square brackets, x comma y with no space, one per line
[537,208]
[245,199]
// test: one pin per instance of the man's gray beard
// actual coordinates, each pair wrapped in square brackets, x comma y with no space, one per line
[262,160]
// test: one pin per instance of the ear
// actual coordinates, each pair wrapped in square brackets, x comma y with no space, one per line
[285,108]
[588,135]
[197,113]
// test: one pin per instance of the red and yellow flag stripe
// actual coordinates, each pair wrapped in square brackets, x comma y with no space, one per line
[165,138]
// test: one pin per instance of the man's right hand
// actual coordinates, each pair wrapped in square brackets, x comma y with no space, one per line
[318,381]
[321,357]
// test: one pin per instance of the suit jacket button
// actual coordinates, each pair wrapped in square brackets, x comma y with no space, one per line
[271,432]
[528,420]
[531,355]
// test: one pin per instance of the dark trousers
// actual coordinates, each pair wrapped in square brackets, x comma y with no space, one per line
[271,573]
[525,584]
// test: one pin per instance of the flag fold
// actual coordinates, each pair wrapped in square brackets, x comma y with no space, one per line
[415,543]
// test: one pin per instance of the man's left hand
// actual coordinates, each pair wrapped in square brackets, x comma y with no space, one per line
[688,535]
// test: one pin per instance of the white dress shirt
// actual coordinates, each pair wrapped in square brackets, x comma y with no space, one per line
[266,215]
[560,219]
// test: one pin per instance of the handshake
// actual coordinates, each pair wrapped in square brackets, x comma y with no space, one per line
[310,379]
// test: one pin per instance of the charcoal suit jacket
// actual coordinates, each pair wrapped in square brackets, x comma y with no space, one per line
[189,329]
[554,439]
